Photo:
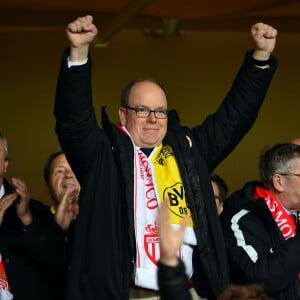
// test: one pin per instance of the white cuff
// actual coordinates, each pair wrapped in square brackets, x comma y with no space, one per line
[75,63]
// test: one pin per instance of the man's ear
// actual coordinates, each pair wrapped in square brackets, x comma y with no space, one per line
[277,181]
[122,116]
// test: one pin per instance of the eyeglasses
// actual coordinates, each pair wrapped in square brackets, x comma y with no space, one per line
[289,174]
[144,112]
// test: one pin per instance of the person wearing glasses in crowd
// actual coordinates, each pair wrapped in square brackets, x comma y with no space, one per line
[126,171]
[260,225]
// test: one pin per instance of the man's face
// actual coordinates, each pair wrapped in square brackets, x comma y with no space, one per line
[61,178]
[146,132]
[3,162]
[290,195]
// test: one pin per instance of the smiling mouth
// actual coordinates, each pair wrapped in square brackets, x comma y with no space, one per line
[151,129]
[68,184]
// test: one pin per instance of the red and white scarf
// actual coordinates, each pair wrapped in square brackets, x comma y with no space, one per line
[149,192]
[285,222]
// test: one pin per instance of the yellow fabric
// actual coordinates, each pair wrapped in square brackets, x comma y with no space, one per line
[53,209]
[169,184]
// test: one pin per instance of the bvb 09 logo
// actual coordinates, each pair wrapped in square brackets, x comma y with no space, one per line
[175,196]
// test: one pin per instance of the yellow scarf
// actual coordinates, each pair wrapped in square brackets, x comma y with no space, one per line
[168,183]
[157,178]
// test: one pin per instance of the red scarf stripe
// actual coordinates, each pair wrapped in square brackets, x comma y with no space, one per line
[285,222]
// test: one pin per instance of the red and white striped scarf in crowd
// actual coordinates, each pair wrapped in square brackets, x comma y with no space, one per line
[285,221]
[155,178]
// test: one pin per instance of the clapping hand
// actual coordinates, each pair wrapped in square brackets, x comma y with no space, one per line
[68,208]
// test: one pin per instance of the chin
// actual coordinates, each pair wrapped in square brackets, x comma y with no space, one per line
[150,145]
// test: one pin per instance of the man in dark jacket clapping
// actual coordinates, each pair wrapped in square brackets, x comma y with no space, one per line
[30,240]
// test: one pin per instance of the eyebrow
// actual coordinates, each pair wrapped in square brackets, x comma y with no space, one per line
[145,106]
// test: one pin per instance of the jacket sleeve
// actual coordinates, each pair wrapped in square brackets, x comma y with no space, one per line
[258,253]
[173,282]
[76,124]
[218,135]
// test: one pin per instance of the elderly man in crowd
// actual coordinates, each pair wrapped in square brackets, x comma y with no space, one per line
[31,243]
[260,224]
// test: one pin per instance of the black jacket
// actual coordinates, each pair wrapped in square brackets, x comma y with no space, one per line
[29,252]
[102,160]
[257,251]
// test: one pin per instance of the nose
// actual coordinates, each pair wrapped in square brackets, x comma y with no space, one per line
[69,174]
[152,117]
